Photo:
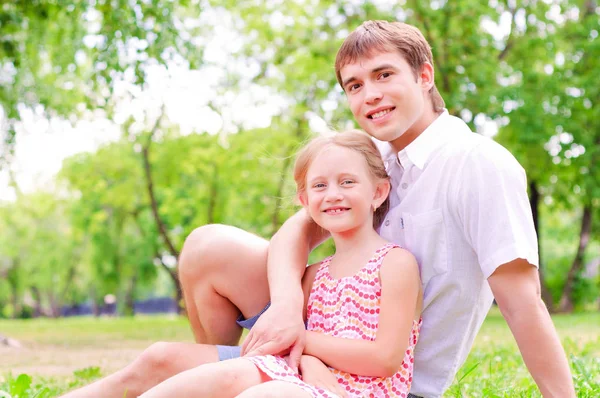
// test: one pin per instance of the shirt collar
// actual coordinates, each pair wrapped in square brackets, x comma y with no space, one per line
[418,151]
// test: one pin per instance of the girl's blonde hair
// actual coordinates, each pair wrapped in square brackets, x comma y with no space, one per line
[354,140]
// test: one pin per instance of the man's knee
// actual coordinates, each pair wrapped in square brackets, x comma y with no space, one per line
[211,248]
[199,250]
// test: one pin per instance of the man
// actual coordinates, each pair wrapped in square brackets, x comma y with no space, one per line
[459,204]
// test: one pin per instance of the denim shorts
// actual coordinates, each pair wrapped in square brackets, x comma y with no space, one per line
[231,352]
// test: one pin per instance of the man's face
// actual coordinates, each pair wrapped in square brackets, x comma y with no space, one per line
[385,97]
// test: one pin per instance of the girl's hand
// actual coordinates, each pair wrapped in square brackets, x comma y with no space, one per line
[316,373]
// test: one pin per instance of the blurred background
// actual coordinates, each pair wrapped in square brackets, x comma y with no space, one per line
[126,124]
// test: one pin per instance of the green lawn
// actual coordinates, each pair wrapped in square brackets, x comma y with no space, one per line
[60,354]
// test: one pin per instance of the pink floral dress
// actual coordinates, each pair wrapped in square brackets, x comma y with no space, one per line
[348,307]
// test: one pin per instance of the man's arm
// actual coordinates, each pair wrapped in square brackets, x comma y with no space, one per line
[281,327]
[516,288]
[400,303]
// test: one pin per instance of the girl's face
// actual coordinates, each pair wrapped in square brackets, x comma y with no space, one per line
[340,191]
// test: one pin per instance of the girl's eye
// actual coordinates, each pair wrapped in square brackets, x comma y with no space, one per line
[347,182]
[319,185]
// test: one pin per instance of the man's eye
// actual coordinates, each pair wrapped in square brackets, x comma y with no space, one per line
[385,74]
[353,87]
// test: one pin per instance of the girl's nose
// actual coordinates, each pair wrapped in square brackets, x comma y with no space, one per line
[334,195]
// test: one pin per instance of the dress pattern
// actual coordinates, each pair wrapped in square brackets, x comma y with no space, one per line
[348,307]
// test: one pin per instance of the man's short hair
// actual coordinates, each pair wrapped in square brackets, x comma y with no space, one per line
[373,37]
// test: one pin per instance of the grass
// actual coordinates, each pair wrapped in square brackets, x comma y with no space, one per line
[62,354]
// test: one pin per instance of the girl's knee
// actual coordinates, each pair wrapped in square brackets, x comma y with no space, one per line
[156,357]
[145,370]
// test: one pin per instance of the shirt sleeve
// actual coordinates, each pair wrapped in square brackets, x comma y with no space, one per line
[494,208]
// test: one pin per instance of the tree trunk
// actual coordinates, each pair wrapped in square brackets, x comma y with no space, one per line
[171,272]
[54,305]
[129,297]
[275,221]
[159,222]
[566,300]
[179,298]
[301,128]
[178,290]
[212,196]
[95,306]
[150,187]
[534,201]
[37,297]
[13,282]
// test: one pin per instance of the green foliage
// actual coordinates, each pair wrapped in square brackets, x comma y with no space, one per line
[96,233]
[67,56]
[23,386]
[86,375]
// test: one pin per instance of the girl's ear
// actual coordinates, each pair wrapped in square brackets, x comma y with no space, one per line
[382,190]
[302,199]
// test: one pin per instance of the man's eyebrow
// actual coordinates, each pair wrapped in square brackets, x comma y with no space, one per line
[383,67]
[348,80]
[374,70]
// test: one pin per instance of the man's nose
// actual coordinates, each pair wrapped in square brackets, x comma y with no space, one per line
[372,93]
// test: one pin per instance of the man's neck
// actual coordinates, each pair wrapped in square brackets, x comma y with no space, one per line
[429,116]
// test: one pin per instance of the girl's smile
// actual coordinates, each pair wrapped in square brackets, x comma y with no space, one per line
[340,190]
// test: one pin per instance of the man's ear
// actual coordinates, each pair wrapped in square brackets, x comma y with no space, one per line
[427,76]
[382,190]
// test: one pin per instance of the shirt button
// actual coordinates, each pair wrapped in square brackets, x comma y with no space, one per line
[387,222]
[404,185]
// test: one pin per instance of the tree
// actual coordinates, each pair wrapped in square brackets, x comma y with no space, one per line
[68,55]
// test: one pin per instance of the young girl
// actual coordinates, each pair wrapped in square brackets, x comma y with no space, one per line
[362,306]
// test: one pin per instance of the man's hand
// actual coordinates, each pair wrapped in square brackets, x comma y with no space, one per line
[316,373]
[278,331]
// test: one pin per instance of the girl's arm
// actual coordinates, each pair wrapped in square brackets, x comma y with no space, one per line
[401,303]
[316,373]
[281,326]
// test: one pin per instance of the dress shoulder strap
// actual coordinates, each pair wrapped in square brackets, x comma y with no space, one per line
[381,253]
[322,271]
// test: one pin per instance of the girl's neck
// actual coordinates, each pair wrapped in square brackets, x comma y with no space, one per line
[356,241]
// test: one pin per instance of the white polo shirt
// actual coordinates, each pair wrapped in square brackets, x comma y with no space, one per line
[459,204]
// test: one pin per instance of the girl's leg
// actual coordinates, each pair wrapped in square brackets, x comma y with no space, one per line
[221,379]
[156,364]
[275,389]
